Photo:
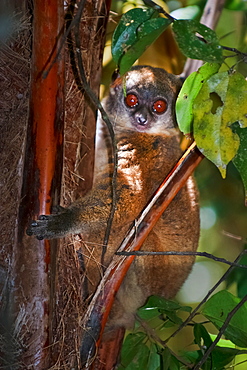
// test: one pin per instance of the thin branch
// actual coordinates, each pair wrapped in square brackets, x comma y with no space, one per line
[172,253]
[196,309]
[238,53]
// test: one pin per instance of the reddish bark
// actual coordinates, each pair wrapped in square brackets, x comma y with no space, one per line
[108,351]
[34,261]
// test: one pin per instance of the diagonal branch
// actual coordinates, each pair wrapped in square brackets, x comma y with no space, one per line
[100,306]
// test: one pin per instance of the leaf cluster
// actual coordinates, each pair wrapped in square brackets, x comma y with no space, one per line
[212,106]
[144,347]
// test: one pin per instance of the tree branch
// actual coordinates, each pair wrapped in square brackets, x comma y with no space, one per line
[172,253]
[100,306]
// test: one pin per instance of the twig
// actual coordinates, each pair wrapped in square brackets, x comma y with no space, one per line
[172,253]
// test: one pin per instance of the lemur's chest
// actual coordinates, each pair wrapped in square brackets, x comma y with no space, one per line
[144,160]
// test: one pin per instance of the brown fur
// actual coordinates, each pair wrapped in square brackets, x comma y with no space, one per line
[145,156]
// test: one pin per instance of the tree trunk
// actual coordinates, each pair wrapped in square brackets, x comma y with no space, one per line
[41,284]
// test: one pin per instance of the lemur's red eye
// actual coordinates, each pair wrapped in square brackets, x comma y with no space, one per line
[131,100]
[160,106]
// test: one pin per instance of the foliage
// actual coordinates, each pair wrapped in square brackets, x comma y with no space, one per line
[211,117]
[145,348]
[136,30]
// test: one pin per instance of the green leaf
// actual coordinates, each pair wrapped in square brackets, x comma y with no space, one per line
[167,324]
[202,338]
[139,360]
[188,93]
[207,48]
[153,359]
[221,101]
[192,356]
[148,313]
[166,358]
[216,310]
[169,362]
[131,349]
[173,317]
[240,160]
[222,356]
[157,305]
[137,29]
[174,364]
[125,32]
[219,358]
[186,308]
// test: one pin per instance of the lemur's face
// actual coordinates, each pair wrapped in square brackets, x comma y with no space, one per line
[143,100]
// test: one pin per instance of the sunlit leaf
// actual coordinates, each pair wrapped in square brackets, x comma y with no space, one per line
[221,101]
[216,310]
[137,29]
[188,93]
[205,47]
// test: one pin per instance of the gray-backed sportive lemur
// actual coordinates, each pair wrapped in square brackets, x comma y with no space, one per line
[140,106]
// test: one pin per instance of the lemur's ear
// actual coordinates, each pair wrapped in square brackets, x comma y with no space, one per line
[115,75]
[117,81]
